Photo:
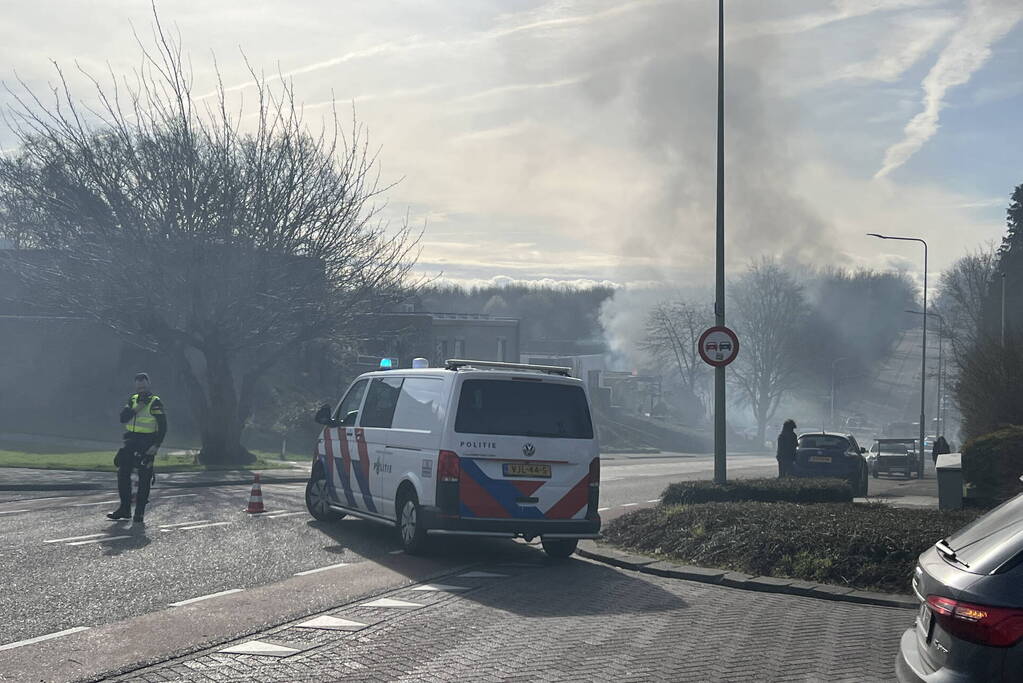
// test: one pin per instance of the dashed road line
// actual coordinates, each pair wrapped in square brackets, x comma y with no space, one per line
[205,597]
[321,569]
[178,495]
[72,538]
[277,515]
[102,502]
[170,526]
[602,509]
[12,512]
[629,505]
[655,500]
[99,540]
[39,639]
[202,526]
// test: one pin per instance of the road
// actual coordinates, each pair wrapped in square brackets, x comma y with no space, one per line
[66,567]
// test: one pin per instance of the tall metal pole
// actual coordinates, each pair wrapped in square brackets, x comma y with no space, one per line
[720,474]
[923,369]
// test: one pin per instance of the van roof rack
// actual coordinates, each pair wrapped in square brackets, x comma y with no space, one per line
[456,363]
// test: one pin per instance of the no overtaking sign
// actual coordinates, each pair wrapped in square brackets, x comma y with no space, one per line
[718,346]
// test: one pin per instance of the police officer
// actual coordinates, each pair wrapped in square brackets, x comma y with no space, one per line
[145,425]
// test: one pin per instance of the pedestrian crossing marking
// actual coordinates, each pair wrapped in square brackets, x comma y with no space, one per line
[258,647]
[333,624]
[392,603]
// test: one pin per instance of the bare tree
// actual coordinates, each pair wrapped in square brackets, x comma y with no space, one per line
[963,294]
[673,329]
[220,240]
[768,308]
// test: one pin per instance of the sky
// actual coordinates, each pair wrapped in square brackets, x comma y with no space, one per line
[574,141]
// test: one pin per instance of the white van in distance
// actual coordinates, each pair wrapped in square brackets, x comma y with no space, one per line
[475,448]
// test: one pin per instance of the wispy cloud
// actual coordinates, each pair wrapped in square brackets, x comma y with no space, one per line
[987,21]
[840,10]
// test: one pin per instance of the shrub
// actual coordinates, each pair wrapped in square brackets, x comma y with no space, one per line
[790,490]
[993,463]
[865,546]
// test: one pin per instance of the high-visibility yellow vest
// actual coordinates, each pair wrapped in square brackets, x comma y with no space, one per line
[142,422]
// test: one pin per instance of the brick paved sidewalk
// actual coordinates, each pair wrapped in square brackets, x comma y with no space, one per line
[574,621]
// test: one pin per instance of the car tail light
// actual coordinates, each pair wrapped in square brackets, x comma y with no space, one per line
[448,467]
[595,473]
[994,626]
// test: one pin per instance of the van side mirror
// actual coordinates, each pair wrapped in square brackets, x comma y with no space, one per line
[349,419]
[323,416]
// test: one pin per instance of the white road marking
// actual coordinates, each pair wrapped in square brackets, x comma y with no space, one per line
[102,502]
[333,623]
[39,639]
[178,495]
[629,505]
[321,569]
[11,512]
[72,538]
[168,526]
[602,509]
[202,526]
[205,597]
[655,500]
[439,587]
[395,552]
[392,603]
[99,540]
[483,575]
[285,514]
[258,647]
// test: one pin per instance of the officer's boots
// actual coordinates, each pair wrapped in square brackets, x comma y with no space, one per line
[119,513]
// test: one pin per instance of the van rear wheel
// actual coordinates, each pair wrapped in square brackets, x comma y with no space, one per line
[410,524]
[559,548]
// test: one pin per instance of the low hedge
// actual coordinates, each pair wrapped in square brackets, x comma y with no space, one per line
[992,465]
[871,547]
[788,490]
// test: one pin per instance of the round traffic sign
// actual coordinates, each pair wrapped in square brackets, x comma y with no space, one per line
[718,346]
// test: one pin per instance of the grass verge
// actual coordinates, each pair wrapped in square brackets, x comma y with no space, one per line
[103,461]
[869,547]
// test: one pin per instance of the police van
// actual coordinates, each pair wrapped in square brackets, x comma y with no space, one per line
[475,448]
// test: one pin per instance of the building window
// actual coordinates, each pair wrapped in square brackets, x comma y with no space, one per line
[442,350]
[502,349]
[459,348]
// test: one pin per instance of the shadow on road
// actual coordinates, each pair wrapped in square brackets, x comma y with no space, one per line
[584,588]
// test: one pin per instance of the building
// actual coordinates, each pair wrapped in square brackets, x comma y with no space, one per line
[438,337]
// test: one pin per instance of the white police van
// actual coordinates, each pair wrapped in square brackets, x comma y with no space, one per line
[474,448]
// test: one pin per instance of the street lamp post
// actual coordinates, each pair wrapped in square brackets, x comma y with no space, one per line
[923,354]
[720,474]
[942,331]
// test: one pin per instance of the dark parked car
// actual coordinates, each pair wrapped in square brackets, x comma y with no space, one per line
[894,455]
[970,623]
[828,454]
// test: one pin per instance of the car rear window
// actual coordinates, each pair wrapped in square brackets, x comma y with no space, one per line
[894,448]
[823,441]
[523,408]
[992,540]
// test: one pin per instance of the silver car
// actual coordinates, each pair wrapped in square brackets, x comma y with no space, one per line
[969,626]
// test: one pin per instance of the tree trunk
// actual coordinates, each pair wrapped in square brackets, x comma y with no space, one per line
[221,430]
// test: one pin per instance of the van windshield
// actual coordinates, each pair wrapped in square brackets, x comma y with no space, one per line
[523,408]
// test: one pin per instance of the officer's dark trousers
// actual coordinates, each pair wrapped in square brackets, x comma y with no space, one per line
[129,459]
[784,468]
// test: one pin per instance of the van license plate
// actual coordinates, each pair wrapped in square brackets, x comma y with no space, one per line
[820,458]
[527,469]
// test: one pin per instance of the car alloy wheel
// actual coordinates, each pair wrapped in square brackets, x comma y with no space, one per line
[317,500]
[409,523]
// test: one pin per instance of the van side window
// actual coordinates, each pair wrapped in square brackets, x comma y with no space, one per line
[350,404]
[419,404]
[380,402]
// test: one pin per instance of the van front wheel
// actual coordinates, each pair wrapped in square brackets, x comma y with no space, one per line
[559,548]
[410,525]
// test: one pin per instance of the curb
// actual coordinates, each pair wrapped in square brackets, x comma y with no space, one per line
[723,577]
[165,485]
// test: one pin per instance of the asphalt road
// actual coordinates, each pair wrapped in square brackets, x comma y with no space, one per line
[66,567]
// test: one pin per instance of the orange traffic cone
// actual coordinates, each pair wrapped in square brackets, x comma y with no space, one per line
[134,488]
[256,498]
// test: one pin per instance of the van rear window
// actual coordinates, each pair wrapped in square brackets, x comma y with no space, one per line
[514,408]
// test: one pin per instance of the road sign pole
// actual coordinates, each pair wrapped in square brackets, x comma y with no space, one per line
[720,474]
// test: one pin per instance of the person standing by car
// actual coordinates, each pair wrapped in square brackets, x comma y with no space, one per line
[940,447]
[145,425]
[786,448]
